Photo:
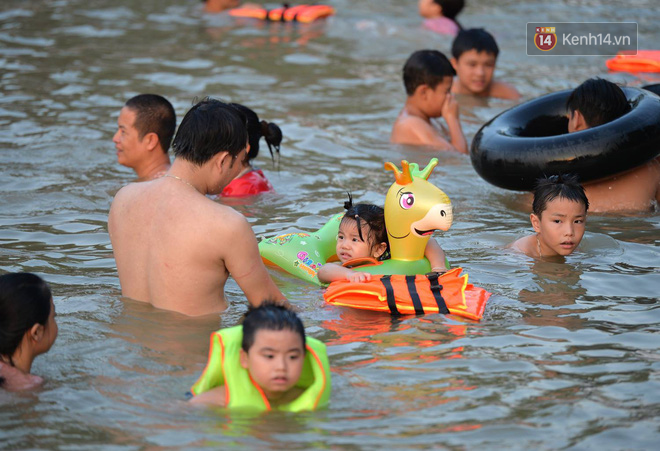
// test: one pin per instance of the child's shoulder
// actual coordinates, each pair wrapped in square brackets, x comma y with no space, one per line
[503,90]
[410,129]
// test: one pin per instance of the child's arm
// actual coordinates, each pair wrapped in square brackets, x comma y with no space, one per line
[450,114]
[332,272]
[436,256]
[214,396]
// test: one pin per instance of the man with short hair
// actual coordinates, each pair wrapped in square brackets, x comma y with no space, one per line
[174,247]
[145,128]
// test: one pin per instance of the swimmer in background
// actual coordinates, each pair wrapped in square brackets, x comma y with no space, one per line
[174,247]
[474,54]
[362,233]
[145,128]
[267,368]
[252,180]
[440,15]
[27,328]
[596,102]
[427,77]
[559,216]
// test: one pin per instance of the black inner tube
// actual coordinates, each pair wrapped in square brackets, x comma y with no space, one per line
[531,140]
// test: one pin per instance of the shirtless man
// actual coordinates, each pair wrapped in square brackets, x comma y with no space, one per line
[174,247]
[145,128]
[596,102]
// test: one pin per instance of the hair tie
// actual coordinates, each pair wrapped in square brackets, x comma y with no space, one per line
[359,227]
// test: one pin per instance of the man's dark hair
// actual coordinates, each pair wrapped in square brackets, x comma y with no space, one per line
[256,129]
[565,186]
[426,67]
[270,316]
[208,128]
[474,39]
[451,8]
[154,114]
[600,101]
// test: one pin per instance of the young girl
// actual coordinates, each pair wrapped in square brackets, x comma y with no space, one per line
[27,328]
[362,233]
[251,180]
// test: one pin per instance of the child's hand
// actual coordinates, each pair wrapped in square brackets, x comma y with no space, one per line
[450,107]
[439,269]
[357,276]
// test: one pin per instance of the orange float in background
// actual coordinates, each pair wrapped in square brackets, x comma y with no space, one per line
[298,13]
[644,61]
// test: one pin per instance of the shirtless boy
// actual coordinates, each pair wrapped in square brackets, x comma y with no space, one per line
[474,53]
[559,215]
[145,128]
[427,76]
[596,102]
[174,247]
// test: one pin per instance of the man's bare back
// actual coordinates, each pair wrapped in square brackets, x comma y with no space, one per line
[175,248]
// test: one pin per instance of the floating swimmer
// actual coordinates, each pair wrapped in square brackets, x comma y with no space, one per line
[266,363]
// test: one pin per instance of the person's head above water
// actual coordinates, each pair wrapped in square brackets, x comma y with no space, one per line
[440,8]
[559,213]
[426,68]
[474,53]
[216,6]
[208,128]
[256,129]
[27,319]
[362,232]
[145,128]
[273,347]
[595,102]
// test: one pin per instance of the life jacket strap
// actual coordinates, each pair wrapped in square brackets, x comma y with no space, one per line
[414,297]
[389,291]
[436,289]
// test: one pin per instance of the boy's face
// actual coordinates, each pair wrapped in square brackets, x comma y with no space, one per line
[435,98]
[274,361]
[560,227]
[475,70]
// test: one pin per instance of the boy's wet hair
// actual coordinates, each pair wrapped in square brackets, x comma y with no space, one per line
[564,186]
[474,39]
[270,316]
[256,129]
[374,218]
[153,114]
[600,101]
[24,302]
[426,67]
[208,128]
[451,8]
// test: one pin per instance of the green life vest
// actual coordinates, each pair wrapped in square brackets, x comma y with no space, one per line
[224,368]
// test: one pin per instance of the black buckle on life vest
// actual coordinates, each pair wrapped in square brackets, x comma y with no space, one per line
[285,6]
[436,289]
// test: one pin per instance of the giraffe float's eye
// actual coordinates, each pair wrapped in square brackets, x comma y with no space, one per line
[407,200]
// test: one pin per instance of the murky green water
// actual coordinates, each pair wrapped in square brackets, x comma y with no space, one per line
[567,355]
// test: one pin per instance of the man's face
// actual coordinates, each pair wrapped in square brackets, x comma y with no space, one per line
[126,139]
[475,70]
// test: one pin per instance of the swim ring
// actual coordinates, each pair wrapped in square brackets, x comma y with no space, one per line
[530,140]
[654,88]
[414,209]
[298,13]
[643,61]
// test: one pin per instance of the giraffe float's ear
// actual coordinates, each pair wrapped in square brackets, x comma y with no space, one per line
[426,173]
[402,178]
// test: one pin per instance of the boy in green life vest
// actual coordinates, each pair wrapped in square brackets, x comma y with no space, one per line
[264,364]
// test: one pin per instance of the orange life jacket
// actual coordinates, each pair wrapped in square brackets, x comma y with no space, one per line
[448,293]
[644,61]
[298,13]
